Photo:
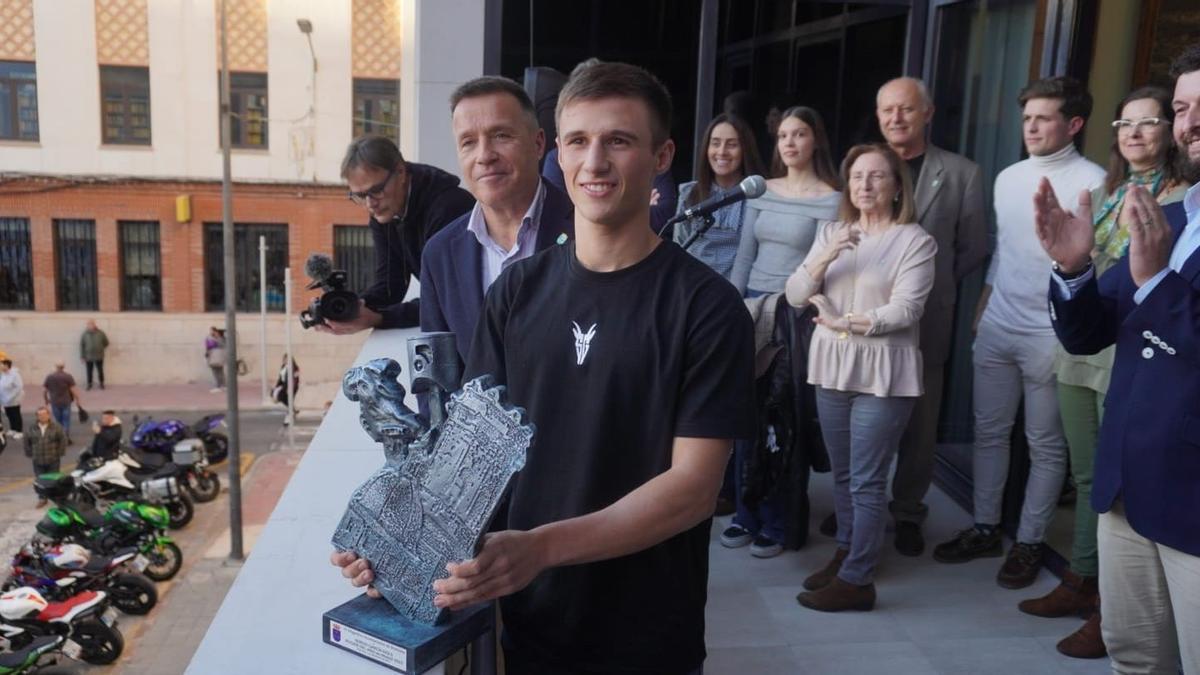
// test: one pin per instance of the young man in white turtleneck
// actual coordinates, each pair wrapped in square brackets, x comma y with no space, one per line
[1015,345]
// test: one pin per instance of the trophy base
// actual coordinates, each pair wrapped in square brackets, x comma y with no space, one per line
[374,630]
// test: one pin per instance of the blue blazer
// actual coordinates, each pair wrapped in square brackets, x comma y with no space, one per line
[1148,450]
[452,269]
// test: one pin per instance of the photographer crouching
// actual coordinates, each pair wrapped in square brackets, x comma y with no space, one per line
[407,203]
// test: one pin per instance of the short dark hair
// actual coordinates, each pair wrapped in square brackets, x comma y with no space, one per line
[371,150]
[492,84]
[1076,101]
[1187,62]
[621,80]
[109,412]
[1118,168]
[6,362]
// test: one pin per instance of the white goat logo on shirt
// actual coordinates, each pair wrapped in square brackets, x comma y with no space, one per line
[582,341]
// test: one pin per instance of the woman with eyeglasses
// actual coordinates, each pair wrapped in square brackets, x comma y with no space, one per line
[1142,154]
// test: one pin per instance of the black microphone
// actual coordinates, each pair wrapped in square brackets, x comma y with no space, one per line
[751,187]
[318,267]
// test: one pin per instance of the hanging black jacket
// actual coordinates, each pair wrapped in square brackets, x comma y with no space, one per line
[434,199]
[789,444]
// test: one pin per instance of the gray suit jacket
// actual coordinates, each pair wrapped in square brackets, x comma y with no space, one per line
[949,196]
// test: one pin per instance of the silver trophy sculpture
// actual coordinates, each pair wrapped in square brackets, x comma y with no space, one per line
[441,483]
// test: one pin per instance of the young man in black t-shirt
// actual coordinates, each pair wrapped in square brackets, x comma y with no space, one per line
[634,361]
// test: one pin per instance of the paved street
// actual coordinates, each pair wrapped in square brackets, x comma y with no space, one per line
[162,642]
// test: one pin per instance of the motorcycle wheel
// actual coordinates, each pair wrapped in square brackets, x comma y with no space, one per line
[216,447]
[132,593]
[181,512]
[101,644]
[207,487]
[165,561]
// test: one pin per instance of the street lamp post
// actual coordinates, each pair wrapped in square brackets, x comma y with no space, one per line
[231,383]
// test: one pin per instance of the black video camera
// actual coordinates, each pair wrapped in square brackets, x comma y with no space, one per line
[337,303]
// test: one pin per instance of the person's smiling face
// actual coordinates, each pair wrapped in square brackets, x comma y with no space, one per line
[498,148]
[609,159]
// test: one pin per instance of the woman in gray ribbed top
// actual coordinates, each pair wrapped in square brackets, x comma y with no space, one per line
[777,232]
[778,228]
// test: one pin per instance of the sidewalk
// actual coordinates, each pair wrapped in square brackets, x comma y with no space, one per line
[148,397]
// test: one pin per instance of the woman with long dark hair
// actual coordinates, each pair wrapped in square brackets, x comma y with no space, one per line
[777,232]
[1142,154]
[780,226]
[732,155]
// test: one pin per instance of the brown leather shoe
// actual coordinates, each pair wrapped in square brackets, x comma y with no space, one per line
[838,596]
[1021,567]
[1085,643]
[827,573]
[1076,595]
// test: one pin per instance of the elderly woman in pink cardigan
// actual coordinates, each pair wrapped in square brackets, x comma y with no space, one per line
[868,275]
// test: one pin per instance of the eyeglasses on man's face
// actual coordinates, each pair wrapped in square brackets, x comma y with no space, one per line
[1142,125]
[375,191]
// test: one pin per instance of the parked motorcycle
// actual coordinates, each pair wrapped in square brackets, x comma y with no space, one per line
[193,473]
[61,571]
[86,620]
[161,435]
[124,524]
[37,657]
[121,479]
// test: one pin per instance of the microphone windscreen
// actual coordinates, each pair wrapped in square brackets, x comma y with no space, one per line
[753,186]
[318,266]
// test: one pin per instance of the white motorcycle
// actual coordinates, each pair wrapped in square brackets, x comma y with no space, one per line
[85,620]
[125,479]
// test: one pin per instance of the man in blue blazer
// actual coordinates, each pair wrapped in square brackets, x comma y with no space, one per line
[517,213]
[1147,474]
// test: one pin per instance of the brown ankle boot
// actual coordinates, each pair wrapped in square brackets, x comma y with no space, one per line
[838,596]
[1085,643]
[826,574]
[1075,595]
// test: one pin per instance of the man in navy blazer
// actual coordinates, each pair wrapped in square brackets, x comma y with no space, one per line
[517,213]
[1147,473]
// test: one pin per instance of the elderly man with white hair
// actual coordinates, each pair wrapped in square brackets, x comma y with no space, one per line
[949,204]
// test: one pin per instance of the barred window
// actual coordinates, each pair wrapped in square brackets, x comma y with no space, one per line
[75,264]
[18,101]
[16,264]
[245,249]
[125,101]
[248,103]
[354,252]
[141,271]
[377,107]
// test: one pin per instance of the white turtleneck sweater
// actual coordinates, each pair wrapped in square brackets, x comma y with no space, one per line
[1020,271]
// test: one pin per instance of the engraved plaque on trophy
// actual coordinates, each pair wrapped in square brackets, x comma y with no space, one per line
[428,504]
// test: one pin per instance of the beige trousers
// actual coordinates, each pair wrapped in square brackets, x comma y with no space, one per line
[1150,601]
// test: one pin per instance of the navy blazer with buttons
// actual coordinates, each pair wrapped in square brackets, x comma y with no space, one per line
[1148,449]
[452,269]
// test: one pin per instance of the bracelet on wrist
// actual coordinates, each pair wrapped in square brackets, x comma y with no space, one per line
[1067,276]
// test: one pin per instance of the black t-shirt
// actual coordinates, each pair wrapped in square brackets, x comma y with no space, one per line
[914,168]
[611,367]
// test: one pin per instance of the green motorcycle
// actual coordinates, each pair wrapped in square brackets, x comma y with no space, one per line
[36,657]
[124,524]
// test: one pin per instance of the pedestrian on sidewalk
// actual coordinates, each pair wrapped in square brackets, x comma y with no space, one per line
[45,444]
[92,344]
[12,388]
[59,391]
[280,393]
[214,355]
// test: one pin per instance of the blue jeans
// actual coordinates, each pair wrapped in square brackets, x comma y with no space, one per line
[62,415]
[766,517]
[862,433]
